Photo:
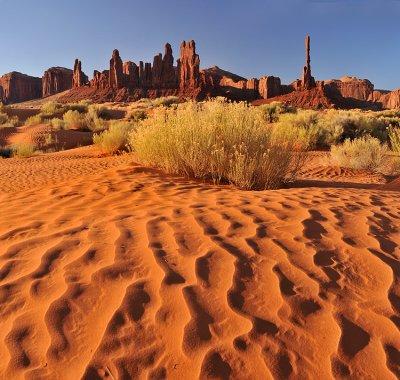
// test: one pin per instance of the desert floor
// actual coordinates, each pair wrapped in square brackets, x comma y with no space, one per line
[109,270]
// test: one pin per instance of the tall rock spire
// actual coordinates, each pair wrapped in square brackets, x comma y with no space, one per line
[307,82]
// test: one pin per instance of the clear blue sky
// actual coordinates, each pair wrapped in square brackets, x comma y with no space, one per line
[248,37]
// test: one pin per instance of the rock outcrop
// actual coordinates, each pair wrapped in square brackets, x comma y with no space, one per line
[55,80]
[269,87]
[116,75]
[307,82]
[16,87]
[168,76]
[387,99]
[350,87]
[189,67]
[79,78]
[131,74]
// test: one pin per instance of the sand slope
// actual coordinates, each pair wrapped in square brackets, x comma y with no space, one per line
[113,271]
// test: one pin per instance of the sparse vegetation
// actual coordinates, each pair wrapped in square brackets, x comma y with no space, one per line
[361,153]
[7,121]
[394,136]
[115,138]
[23,150]
[136,115]
[34,120]
[222,141]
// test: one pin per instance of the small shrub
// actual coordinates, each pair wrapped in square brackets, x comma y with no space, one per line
[80,107]
[115,139]
[51,109]
[165,101]
[57,124]
[96,110]
[75,120]
[34,120]
[136,115]
[394,136]
[23,150]
[273,110]
[7,121]
[362,153]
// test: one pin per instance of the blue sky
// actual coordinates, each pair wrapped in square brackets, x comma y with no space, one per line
[248,37]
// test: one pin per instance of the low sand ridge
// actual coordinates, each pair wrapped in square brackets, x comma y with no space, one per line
[112,271]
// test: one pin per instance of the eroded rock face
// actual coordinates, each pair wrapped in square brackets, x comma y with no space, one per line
[55,80]
[168,77]
[189,67]
[116,75]
[17,87]
[269,87]
[131,74]
[79,78]
[350,87]
[388,99]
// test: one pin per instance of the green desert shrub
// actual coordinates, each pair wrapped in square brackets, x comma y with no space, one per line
[165,101]
[75,120]
[136,115]
[34,120]
[357,124]
[307,124]
[394,136]
[23,150]
[51,109]
[219,140]
[273,110]
[361,153]
[57,124]
[7,121]
[97,110]
[81,107]
[115,138]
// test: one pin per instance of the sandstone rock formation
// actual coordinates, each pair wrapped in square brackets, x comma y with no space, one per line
[188,67]
[116,75]
[55,80]
[100,80]
[269,87]
[347,87]
[131,74]
[79,78]
[387,99]
[168,77]
[16,87]
[307,82]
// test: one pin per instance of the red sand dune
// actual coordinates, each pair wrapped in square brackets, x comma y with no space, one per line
[113,271]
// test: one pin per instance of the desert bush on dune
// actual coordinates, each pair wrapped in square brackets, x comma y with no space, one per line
[273,110]
[115,138]
[34,120]
[75,120]
[165,101]
[394,136]
[23,150]
[324,129]
[7,121]
[219,140]
[136,115]
[362,153]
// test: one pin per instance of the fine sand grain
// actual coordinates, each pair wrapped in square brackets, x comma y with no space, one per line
[109,270]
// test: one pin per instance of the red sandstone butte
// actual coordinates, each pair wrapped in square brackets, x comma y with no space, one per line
[16,87]
[55,80]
